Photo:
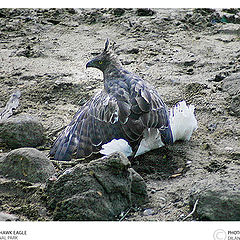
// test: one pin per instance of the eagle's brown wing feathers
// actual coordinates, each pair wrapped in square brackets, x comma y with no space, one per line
[92,126]
[105,117]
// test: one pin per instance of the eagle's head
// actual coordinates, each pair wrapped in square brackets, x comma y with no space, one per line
[105,59]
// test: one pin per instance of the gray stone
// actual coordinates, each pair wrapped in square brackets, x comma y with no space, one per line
[218,199]
[99,190]
[145,12]
[148,212]
[235,105]
[231,85]
[27,164]
[118,11]
[138,188]
[21,131]
[11,105]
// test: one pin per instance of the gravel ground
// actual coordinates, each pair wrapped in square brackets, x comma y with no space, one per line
[187,54]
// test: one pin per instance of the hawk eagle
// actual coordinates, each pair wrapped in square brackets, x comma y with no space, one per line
[127,108]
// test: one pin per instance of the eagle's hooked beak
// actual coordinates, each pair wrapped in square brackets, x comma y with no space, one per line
[90,64]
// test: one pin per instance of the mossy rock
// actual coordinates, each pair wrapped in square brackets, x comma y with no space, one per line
[27,164]
[21,131]
[99,190]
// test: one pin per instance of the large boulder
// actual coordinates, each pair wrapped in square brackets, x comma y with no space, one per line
[218,198]
[99,190]
[27,164]
[21,131]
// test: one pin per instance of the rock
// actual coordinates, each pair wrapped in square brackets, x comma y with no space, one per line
[7,217]
[215,166]
[189,63]
[138,188]
[195,88]
[21,200]
[235,105]
[21,131]
[118,11]
[133,51]
[99,190]
[27,164]
[219,77]
[11,105]
[148,212]
[144,12]
[218,199]
[212,127]
[232,86]
[54,21]
[230,149]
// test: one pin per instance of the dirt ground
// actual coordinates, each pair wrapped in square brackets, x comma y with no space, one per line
[186,53]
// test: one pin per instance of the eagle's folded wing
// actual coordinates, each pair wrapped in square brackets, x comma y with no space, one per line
[107,116]
[93,125]
[152,111]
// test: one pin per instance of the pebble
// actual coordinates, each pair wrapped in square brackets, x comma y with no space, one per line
[153,191]
[148,212]
[228,149]
[145,12]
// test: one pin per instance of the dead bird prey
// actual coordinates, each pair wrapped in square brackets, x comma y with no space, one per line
[127,115]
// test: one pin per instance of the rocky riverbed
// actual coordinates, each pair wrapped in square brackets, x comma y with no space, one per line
[190,54]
